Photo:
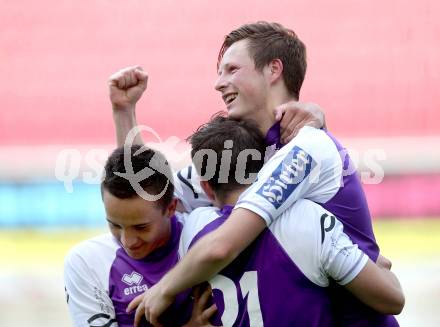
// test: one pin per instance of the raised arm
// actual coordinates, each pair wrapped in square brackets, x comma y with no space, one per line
[126,87]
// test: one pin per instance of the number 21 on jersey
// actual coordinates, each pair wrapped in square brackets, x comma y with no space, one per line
[249,287]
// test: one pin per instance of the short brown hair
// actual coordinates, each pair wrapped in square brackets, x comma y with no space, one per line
[213,136]
[269,41]
[141,157]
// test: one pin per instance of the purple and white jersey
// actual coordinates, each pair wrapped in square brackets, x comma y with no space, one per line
[281,279]
[187,189]
[314,166]
[101,280]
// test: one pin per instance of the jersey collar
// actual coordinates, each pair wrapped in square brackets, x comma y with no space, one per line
[273,136]
[226,210]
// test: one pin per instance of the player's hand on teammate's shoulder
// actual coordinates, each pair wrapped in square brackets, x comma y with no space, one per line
[294,115]
[126,87]
[202,310]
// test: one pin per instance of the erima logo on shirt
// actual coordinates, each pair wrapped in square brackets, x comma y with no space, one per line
[295,167]
[133,279]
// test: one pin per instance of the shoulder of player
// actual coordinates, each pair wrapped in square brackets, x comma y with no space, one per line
[186,176]
[187,189]
[315,142]
[303,217]
[298,231]
[202,216]
[194,223]
[312,133]
[181,217]
[306,206]
[89,250]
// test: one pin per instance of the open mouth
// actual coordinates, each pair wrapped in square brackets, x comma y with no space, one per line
[229,98]
[135,249]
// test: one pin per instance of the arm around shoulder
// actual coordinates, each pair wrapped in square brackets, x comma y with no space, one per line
[214,251]
[350,267]
[379,288]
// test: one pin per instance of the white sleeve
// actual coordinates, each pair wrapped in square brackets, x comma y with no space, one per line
[181,217]
[340,258]
[308,167]
[194,223]
[187,189]
[315,241]
[88,301]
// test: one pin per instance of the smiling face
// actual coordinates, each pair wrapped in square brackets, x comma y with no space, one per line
[244,89]
[140,226]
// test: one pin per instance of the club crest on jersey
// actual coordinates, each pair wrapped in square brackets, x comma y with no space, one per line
[133,280]
[287,176]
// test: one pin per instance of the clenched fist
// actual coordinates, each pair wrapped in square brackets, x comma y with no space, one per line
[126,87]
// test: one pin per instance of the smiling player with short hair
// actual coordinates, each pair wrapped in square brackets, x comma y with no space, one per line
[253,63]
[103,274]
[282,278]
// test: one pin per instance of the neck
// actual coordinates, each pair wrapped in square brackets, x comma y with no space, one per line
[278,97]
[265,120]
[230,199]
[166,236]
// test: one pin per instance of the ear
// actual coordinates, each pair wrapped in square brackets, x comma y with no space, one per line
[171,209]
[274,70]
[208,190]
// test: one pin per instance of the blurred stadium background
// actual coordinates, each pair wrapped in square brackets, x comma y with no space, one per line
[373,66]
